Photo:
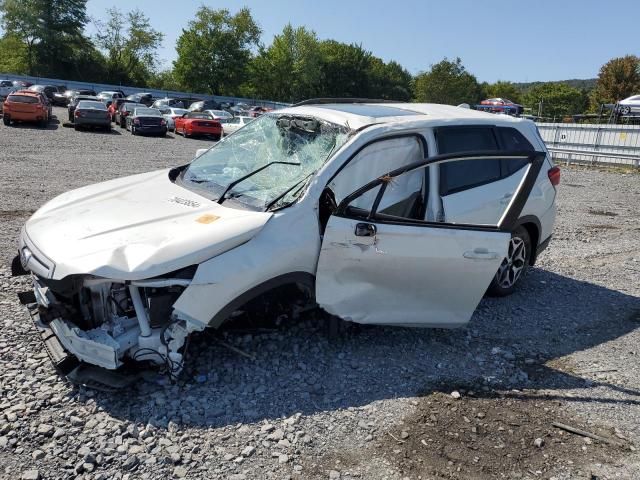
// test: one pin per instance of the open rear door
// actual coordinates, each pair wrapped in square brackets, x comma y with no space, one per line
[383,264]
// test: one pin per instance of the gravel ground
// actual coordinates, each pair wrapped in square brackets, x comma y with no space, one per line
[475,403]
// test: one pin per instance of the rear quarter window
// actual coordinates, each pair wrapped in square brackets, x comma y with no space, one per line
[459,176]
[512,139]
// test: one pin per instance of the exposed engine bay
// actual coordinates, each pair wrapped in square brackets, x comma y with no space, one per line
[108,323]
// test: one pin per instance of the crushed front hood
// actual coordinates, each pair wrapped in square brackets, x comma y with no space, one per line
[136,227]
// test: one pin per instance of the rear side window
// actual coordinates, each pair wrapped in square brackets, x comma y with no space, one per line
[458,176]
[512,139]
[23,99]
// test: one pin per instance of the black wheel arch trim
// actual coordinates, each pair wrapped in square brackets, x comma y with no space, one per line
[305,279]
[531,219]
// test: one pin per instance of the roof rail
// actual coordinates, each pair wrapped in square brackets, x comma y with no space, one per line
[324,101]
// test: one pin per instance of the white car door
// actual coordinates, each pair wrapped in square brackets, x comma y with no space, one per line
[383,264]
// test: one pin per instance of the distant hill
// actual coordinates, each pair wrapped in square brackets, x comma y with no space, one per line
[587,84]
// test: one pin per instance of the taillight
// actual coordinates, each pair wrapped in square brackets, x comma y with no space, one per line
[136,121]
[554,176]
[78,113]
[163,122]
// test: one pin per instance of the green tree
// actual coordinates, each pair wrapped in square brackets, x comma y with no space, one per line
[618,79]
[215,49]
[164,80]
[52,32]
[130,46]
[389,81]
[558,99]
[13,55]
[290,68]
[447,82]
[501,89]
[345,70]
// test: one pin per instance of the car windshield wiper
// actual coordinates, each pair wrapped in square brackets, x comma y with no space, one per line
[286,192]
[243,178]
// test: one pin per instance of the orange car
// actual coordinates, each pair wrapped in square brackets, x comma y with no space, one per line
[25,106]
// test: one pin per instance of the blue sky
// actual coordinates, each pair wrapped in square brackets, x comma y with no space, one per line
[496,39]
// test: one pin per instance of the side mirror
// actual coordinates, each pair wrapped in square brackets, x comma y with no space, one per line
[200,151]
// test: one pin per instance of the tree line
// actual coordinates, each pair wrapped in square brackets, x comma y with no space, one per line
[221,53]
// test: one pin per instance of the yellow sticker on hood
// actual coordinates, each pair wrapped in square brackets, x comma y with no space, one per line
[207,218]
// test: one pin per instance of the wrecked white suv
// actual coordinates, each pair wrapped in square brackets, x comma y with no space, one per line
[390,214]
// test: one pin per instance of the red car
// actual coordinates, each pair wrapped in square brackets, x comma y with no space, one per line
[196,123]
[500,105]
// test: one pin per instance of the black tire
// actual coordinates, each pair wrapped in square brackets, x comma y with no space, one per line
[76,128]
[123,124]
[6,119]
[514,267]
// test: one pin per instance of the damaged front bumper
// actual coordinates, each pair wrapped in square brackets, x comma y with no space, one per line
[108,324]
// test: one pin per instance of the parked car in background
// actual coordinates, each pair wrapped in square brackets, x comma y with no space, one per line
[60,98]
[108,96]
[219,114]
[6,87]
[257,111]
[170,114]
[71,108]
[168,102]
[25,106]
[124,111]
[629,105]
[93,114]
[47,90]
[147,121]
[21,84]
[144,98]
[202,105]
[198,124]
[232,124]
[115,106]
[500,105]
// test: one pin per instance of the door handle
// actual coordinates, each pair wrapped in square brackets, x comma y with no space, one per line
[365,230]
[481,254]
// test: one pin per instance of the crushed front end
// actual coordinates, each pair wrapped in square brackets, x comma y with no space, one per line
[107,324]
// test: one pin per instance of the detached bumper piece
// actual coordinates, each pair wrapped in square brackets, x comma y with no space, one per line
[68,365]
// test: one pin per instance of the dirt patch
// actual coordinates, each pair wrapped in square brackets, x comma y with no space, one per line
[6,214]
[603,213]
[602,227]
[476,438]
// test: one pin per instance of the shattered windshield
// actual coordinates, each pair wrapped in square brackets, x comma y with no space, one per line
[268,162]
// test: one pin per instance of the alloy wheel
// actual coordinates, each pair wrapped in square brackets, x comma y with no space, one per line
[513,265]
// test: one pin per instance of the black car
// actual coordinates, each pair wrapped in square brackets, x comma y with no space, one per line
[47,90]
[143,98]
[125,110]
[168,102]
[146,120]
[73,103]
[203,105]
